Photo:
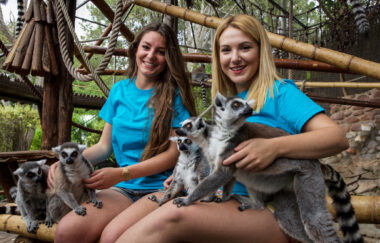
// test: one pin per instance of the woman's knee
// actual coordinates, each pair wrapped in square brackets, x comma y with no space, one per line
[69,229]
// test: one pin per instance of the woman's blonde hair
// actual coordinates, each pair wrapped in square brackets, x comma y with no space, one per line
[266,74]
[172,77]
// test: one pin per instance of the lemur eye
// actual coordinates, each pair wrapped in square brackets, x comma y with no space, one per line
[236,105]
[30,174]
[179,141]
[64,154]
[187,141]
[188,125]
[74,154]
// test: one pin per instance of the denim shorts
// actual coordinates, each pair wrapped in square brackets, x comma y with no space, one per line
[134,194]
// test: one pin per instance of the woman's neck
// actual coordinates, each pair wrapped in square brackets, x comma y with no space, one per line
[144,83]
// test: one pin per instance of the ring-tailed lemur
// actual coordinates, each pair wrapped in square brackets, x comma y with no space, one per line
[20,15]
[69,192]
[297,187]
[30,193]
[191,168]
[360,17]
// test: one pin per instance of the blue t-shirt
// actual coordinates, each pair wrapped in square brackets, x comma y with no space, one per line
[126,109]
[289,109]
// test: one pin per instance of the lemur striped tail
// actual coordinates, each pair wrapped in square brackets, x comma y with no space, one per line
[20,15]
[360,17]
[337,190]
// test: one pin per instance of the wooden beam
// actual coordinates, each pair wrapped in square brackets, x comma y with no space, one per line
[109,14]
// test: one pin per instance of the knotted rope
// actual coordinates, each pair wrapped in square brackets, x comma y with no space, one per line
[63,15]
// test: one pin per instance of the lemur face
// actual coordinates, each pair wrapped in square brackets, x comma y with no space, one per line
[231,110]
[191,127]
[30,171]
[184,144]
[69,152]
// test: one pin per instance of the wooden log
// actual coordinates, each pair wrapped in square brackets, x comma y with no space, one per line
[43,11]
[8,61]
[37,51]
[22,156]
[53,60]
[50,113]
[45,56]
[339,59]
[21,49]
[36,10]
[25,68]
[29,12]
[50,13]
[15,224]
[367,208]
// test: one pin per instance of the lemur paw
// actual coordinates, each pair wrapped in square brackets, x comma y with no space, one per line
[80,210]
[153,198]
[244,206]
[49,222]
[32,226]
[180,201]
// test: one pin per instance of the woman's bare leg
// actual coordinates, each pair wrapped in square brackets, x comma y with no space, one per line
[76,228]
[128,217]
[205,222]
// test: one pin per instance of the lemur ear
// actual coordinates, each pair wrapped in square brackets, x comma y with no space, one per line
[251,102]
[82,147]
[219,99]
[173,139]
[56,149]
[18,171]
[41,162]
[200,123]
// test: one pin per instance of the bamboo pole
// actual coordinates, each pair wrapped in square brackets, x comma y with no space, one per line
[338,85]
[15,224]
[204,58]
[367,208]
[339,59]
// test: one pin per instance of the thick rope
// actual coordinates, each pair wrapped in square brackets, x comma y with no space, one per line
[63,15]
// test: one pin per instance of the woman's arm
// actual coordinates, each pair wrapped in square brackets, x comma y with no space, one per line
[101,150]
[321,137]
[96,153]
[107,177]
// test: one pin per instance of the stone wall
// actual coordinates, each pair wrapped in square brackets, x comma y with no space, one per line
[360,163]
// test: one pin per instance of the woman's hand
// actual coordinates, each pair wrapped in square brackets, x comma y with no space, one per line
[167,182]
[253,155]
[51,174]
[104,178]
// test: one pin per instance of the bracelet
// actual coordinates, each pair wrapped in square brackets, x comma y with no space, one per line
[125,174]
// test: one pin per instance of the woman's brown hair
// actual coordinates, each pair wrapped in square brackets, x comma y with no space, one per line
[174,76]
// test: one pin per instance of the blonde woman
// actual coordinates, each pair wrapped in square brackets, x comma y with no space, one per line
[243,65]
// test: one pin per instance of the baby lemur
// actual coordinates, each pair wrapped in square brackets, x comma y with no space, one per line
[296,187]
[191,168]
[30,192]
[69,192]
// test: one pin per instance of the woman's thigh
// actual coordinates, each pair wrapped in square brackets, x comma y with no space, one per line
[205,222]
[129,217]
[89,227]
